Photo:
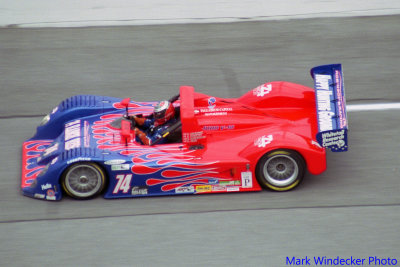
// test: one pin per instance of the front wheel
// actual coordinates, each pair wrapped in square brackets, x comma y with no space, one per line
[83,180]
[280,170]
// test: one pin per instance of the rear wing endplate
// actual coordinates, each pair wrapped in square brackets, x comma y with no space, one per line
[331,107]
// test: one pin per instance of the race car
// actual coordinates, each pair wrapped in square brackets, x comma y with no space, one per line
[267,138]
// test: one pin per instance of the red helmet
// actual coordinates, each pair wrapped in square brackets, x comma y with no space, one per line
[163,112]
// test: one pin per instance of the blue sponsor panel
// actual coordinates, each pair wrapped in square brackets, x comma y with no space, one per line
[331,107]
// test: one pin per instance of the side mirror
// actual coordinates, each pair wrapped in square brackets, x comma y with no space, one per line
[125,103]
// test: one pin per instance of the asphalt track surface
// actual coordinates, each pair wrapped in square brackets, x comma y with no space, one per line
[351,210]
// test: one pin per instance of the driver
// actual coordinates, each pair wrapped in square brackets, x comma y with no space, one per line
[154,126]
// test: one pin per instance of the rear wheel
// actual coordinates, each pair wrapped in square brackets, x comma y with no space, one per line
[280,170]
[83,180]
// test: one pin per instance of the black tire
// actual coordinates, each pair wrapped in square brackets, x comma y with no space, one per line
[280,170]
[83,180]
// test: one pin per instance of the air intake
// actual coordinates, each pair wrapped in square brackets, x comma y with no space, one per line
[80,101]
[81,152]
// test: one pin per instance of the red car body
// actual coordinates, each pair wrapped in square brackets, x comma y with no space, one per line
[238,132]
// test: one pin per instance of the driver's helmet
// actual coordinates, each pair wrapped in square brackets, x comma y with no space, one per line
[163,112]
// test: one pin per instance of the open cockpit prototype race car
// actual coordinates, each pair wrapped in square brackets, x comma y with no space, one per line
[266,138]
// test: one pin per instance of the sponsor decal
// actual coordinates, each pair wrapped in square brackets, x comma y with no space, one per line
[50,194]
[211,128]
[322,81]
[215,111]
[86,136]
[41,196]
[264,140]
[203,188]
[334,139]
[341,103]
[74,143]
[218,127]
[184,189]
[316,144]
[213,181]
[54,161]
[78,159]
[204,110]
[50,150]
[216,114]
[232,189]
[325,120]
[73,134]
[219,188]
[227,127]
[46,186]
[114,161]
[235,182]
[192,137]
[72,129]
[331,109]
[324,108]
[262,90]
[247,181]
[211,102]
[120,167]
[139,190]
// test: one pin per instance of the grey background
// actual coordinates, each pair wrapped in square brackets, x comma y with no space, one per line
[350,210]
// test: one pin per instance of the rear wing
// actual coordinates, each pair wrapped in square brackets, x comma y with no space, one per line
[331,107]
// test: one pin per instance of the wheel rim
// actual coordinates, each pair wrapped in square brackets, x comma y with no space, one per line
[83,180]
[281,170]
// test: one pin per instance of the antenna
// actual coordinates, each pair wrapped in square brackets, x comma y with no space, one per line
[125,103]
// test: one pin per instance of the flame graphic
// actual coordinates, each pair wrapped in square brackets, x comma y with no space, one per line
[32,150]
[167,166]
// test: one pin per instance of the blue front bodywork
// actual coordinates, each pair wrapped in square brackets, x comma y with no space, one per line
[80,130]
[68,135]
